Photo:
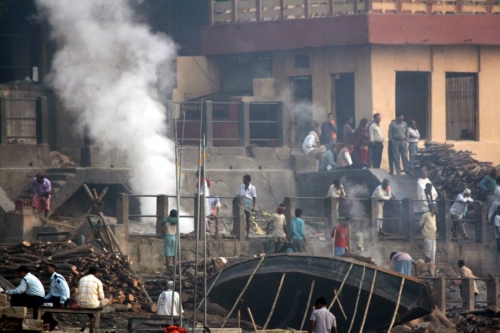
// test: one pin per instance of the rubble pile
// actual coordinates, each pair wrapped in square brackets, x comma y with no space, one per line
[481,321]
[451,170]
[124,290]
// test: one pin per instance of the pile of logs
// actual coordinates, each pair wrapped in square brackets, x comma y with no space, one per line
[124,290]
[451,170]
[435,322]
[484,321]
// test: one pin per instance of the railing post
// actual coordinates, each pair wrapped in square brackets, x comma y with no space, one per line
[211,15]
[42,121]
[330,8]
[467,289]
[209,124]
[161,211]
[289,212]
[408,219]
[446,227]
[492,292]
[239,222]
[3,121]
[258,7]
[246,124]
[439,291]
[334,212]
[122,212]
[306,9]
[234,9]
[282,9]
[480,217]
[374,221]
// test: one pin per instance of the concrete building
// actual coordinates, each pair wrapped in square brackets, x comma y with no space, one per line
[436,62]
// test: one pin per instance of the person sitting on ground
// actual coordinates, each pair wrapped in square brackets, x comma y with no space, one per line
[279,229]
[344,159]
[169,231]
[298,231]
[458,210]
[322,320]
[30,292]
[311,145]
[402,262]
[42,188]
[165,303]
[329,160]
[382,193]
[58,295]
[465,272]
[340,235]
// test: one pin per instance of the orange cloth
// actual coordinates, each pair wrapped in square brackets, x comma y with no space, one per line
[40,204]
[334,135]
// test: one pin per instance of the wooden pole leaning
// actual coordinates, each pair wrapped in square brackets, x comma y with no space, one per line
[275,301]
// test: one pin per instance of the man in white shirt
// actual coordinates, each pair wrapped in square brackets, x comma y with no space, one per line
[496,223]
[311,144]
[337,192]
[382,193]
[376,140]
[412,136]
[247,191]
[322,320]
[422,206]
[29,293]
[165,304]
[458,210]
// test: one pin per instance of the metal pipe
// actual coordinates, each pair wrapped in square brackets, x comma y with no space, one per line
[204,236]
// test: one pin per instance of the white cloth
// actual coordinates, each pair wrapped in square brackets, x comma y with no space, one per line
[496,223]
[344,158]
[375,132]
[382,195]
[430,249]
[165,304]
[248,193]
[324,319]
[333,192]
[400,256]
[458,207]
[423,206]
[496,202]
[412,135]
[310,142]
[29,285]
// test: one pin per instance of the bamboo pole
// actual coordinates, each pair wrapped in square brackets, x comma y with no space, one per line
[357,300]
[369,300]
[340,304]
[307,306]
[341,286]
[251,318]
[397,305]
[239,318]
[204,230]
[178,203]
[176,257]
[242,292]
[275,301]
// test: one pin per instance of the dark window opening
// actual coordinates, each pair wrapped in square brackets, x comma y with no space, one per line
[302,61]
[413,99]
[265,124]
[461,106]
[301,87]
[343,99]
[238,71]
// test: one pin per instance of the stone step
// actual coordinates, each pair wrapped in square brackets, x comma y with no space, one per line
[60,176]
[58,183]
[61,170]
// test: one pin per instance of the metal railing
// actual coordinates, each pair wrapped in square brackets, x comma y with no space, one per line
[232,11]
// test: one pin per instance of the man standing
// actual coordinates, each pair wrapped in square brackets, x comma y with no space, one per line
[422,182]
[496,224]
[311,144]
[42,188]
[402,262]
[90,292]
[29,293]
[322,320]
[376,140]
[247,191]
[429,230]
[466,273]
[279,228]
[412,137]
[329,159]
[340,235]
[58,294]
[165,304]
[337,192]
[458,210]
[397,135]
[488,185]
[382,193]
[298,231]
[169,231]
[348,130]
[328,132]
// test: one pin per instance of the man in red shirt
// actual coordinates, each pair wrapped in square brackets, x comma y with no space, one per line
[340,235]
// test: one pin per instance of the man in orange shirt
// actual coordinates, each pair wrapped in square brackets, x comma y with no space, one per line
[340,235]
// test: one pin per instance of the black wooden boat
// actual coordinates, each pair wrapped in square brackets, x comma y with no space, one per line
[328,273]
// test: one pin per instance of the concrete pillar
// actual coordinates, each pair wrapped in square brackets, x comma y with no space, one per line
[289,211]
[445,217]
[439,291]
[468,300]
[239,223]
[334,213]
[122,210]
[42,122]
[161,211]
[374,219]
[493,292]
[481,217]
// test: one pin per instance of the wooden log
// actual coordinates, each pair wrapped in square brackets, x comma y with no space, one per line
[186,297]
[136,307]
[149,307]
[129,298]
[121,307]
[443,319]
[83,249]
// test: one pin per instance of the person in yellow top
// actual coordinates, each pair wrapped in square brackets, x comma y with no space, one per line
[465,272]
[429,230]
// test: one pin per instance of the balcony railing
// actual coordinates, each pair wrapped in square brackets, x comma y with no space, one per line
[235,11]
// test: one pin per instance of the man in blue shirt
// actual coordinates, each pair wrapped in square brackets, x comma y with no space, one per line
[298,231]
[29,293]
[58,294]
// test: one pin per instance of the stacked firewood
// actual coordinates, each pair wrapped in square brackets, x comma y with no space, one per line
[483,320]
[124,290]
[451,170]
[435,322]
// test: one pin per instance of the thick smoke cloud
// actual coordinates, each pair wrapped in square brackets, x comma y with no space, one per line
[112,73]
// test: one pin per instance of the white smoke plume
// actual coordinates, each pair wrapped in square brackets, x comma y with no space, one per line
[112,72]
